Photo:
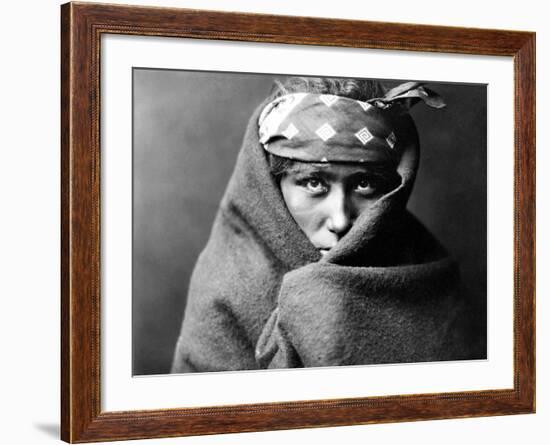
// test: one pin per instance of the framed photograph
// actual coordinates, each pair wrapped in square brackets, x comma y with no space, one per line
[274,222]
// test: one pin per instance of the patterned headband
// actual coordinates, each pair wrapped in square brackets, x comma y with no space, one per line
[314,127]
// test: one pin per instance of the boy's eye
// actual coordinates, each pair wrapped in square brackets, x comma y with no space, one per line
[315,185]
[364,186]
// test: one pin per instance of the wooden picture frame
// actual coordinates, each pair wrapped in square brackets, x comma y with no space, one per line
[82,25]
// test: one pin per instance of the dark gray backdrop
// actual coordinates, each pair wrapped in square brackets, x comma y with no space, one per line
[188,128]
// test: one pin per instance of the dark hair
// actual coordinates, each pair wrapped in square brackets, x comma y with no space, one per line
[278,166]
[358,89]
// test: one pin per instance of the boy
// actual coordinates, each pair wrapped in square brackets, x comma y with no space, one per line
[313,259]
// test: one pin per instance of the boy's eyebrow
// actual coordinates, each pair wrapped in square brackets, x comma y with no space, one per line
[302,167]
[308,168]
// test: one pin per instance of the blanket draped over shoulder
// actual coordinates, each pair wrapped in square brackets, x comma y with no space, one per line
[261,296]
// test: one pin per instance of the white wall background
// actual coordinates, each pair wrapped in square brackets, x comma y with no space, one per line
[29,222]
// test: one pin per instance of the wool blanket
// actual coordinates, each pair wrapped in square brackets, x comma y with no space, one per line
[261,296]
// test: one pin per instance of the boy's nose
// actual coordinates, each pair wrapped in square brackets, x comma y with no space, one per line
[339,218]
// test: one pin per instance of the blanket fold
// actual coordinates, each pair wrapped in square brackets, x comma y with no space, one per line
[330,315]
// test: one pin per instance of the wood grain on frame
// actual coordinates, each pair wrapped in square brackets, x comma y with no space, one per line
[82,25]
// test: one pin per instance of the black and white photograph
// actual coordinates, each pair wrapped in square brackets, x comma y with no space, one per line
[290,221]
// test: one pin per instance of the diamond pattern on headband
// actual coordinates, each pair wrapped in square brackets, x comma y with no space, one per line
[290,131]
[325,132]
[391,140]
[328,99]
[364,135]
[364,105]
[276,112]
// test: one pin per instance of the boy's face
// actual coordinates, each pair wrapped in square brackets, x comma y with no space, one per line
[326,199]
